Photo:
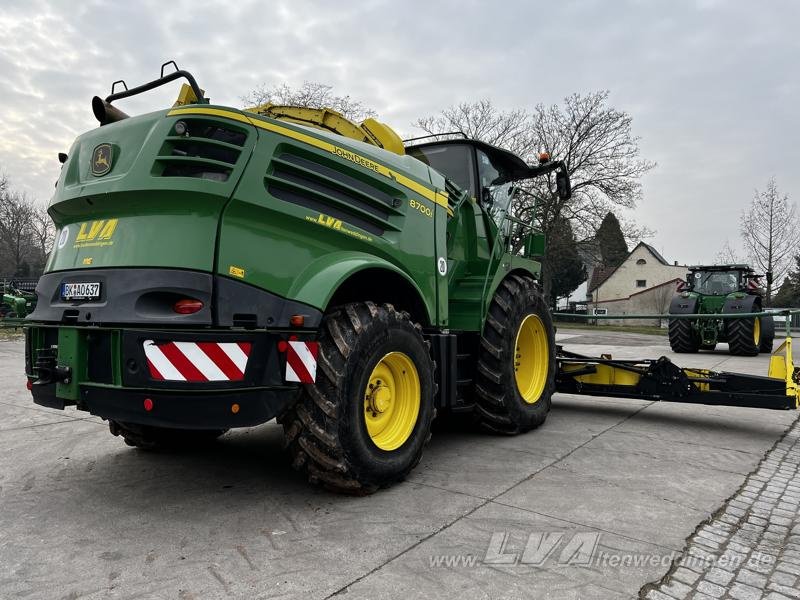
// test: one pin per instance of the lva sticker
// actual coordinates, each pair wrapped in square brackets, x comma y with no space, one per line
[63,237]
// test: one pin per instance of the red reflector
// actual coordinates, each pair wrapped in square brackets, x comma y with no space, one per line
[148,404]
[187,306]
[29,385]
[282,346]
[297,320]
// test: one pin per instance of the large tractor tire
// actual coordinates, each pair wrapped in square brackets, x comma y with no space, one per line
[516,362]
[149,437]
[683,337]
[744,336]
[767,335]
[365,422]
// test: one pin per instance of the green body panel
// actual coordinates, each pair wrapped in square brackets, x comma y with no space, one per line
[162,221]
[71,352]
[710,304]
[318,282]
[711,331]
[292,250]
[135,216]
[473,272]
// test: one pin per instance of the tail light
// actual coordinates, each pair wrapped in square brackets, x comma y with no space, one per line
[187,306]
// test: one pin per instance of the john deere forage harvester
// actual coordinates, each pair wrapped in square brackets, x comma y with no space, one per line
[217,268]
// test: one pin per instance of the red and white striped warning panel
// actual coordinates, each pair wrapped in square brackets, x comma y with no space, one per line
[197,361]
[301,361]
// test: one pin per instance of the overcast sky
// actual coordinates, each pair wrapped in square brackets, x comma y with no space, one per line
[712,86]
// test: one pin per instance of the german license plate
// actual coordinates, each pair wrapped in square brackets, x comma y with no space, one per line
[80,291]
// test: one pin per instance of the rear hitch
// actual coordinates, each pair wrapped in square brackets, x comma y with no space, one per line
[48,371]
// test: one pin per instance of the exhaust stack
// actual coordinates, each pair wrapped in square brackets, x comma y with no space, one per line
[105,112]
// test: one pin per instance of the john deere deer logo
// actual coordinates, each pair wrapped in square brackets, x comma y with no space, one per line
[101,160]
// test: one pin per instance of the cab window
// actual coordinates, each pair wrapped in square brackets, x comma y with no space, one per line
[454,161]
[488,173]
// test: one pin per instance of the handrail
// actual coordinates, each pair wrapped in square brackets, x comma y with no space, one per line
[787,313]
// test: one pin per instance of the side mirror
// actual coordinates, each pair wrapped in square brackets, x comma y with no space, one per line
[563,185]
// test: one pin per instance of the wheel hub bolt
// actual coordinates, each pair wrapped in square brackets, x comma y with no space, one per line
[380,399]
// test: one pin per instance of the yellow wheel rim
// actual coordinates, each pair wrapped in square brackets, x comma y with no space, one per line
[392,400]
[531,358]
[757,331]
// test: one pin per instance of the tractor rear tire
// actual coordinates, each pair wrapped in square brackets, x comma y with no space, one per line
[149,437]
[767,335]
[516,370]
[682,336]
[744,336]
[364,423]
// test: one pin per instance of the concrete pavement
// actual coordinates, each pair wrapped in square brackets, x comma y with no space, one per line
[594,504]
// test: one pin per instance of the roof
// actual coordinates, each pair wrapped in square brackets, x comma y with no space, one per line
[654,252]
[512,165]
[601,273]
[738,267]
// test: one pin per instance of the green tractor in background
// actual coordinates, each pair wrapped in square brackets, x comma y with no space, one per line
[15,303]
[720,289]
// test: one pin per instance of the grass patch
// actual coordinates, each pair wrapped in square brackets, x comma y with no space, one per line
[11,333]
[645,329]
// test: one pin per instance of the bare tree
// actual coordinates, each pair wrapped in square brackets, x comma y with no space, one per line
[601,153]
[728,255]
[311,95]
[15,218]
[771,233]
[26,233]
[594,140]
[42,231]
[660,297]
[481,120]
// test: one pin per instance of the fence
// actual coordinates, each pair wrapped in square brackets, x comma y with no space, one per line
[602,319]
[26,284]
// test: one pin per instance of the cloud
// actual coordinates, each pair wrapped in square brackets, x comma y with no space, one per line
[710,85]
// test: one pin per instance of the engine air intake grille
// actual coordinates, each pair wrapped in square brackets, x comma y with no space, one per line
[327,190]
[207,150]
